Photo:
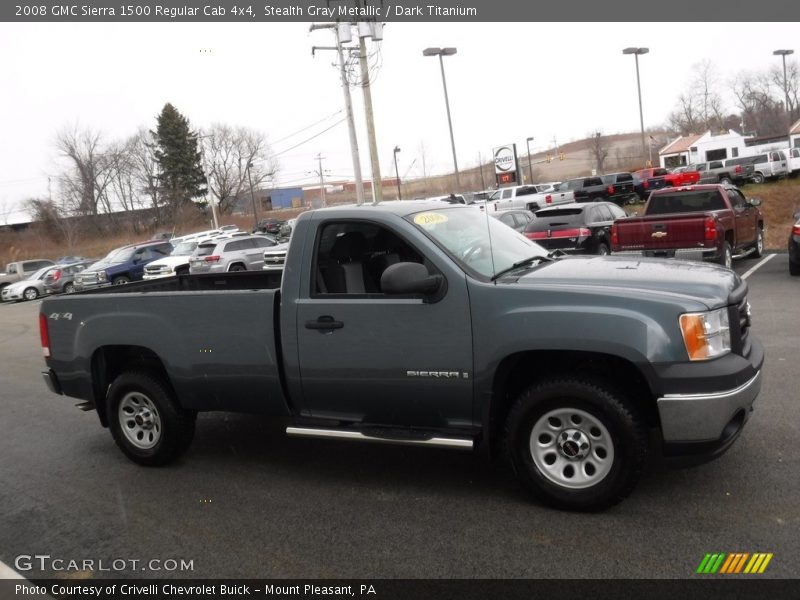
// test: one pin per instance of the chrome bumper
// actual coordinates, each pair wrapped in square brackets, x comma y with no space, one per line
[702,417]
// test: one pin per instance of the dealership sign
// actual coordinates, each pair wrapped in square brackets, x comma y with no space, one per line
[505,164]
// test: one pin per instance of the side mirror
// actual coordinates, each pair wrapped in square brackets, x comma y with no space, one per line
[797,216]
[754,202]
[409,278]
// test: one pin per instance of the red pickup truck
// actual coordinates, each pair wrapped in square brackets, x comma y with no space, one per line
[670,179]
[702,222]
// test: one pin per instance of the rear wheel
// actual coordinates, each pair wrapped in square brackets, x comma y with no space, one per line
[725,180]
[602,249]
[726,257]
[237,268]
[758,178]
[576,444]
[69,288]
[30,293]
[146,421]
[794,267]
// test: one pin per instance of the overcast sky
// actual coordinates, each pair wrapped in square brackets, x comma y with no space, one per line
[507,82]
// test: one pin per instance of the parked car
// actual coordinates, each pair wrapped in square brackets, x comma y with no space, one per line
[643,185]
[716,171]
[585,189]
[793,159]
[177,263]
[621,188]
[22,269]
[68,260]
[574,365]
[60,279]
[240,253]
[122,265]
[275,257]
[578,228]
[794,247]
[26,289]
[517,219]
[674,179]
[701,222]
[270,225]
[770,165]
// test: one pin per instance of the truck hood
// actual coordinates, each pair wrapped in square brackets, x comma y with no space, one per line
[707,283]
[170,261]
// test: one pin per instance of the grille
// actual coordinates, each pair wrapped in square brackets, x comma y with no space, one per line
[274,260]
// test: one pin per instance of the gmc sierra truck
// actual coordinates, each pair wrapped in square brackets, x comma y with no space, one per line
[700,222]
[431,325]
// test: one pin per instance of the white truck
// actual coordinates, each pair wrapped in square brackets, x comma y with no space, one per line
[527,197]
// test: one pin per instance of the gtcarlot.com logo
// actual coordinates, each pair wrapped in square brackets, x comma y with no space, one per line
[734,563]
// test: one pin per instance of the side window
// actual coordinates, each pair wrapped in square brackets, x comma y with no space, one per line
[351,256]
[734,152]
[30,266]
[602,214]
[262,242]
[522,219]
[236,246]
[715,165]
[737,200]
[507,193]
[617,212]
[508,219]
[774,156]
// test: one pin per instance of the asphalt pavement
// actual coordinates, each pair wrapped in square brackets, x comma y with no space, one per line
[246,501]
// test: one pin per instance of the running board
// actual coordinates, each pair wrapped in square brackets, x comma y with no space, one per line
[343,434]
[745,253]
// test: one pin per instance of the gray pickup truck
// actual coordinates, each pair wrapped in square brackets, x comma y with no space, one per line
[430,325]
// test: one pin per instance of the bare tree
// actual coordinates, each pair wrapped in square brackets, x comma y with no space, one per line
[700,107]
[85,181]
[756,100]
[56,219]
[599,148]
[141,153]
[792,88]
[227,153]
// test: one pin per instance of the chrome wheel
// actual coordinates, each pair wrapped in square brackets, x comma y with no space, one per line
[760,242]
[572,448]
[30,294]
[139,420]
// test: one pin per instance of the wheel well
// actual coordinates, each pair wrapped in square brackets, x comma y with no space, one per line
[237,264]
[118,275]
[109,362]
[729,237]
[518,371]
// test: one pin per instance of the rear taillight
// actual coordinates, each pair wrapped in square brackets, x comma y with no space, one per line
[738,168]
[646,184]
[548,199]
[584,232]
[796,229]
[535,235]
[614,236]
[212,258]
[611,189]
[44,335]
[56,275]
[710,228]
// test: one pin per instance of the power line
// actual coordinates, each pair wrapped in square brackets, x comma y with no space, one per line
[311,138]
[307,128]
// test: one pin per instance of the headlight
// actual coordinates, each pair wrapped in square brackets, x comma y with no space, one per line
[707,334]
[102,276]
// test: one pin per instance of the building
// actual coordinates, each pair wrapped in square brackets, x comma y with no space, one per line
[794,134]
[268,199]
[687,150]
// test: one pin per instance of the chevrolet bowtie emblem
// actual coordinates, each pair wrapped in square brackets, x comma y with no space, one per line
[658,234]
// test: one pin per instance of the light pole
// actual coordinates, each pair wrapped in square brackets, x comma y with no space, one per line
[530,168]
[252,195]
[783,54]
[636,52]
[397,172]
[440,52]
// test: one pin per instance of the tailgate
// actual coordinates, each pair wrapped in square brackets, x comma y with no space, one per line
[662,232]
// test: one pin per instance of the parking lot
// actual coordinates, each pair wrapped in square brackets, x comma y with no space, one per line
[246,501]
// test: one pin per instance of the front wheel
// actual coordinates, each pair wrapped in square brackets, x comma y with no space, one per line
[145,420]
[758,248]
[758,178]
[121,280]
[30,293]
[576,444]
[726,181]
[69,288]
[602,250]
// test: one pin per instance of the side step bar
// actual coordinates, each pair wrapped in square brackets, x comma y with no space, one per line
[343,434]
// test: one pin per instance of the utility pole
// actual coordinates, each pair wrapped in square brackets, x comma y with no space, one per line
[397,172]
[480,167]
[377,183]
[321,181]
[783,54]
[252,195]
[214,217]
[530,168]
[348,104]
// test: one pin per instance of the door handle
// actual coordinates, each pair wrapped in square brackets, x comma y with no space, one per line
[324,323]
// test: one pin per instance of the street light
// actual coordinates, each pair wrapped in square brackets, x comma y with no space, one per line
[397,172]
[636,52]
[440,52]
[530,168]
[783,54]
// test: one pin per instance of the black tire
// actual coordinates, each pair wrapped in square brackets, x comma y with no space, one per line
[757,178]
[794,268]
[726,180]
[121,280]
[602,249]
[626,431]
[758,247]
[237,267]
[30,293]
[725,257]
[69,288]
[176,425]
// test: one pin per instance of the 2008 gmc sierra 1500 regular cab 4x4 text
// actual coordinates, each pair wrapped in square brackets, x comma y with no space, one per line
[426,324]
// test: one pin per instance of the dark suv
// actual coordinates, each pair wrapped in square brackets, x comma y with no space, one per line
[269,226]
[122,264]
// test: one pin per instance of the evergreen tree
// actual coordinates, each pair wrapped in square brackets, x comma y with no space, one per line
[181,174]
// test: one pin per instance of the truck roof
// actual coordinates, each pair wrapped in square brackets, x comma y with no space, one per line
[401,208]
[698,187]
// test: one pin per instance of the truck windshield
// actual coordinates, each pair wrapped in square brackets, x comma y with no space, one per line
[679,202]
[184,249]
[119,255]
[465,235]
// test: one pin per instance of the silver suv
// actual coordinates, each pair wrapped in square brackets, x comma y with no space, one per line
[237,253]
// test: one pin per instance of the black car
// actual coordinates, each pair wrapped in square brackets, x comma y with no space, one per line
[621,188]
[575,228]
[269,226]
[794,247]
[515,218]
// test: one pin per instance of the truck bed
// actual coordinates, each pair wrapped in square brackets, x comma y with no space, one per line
[661,232]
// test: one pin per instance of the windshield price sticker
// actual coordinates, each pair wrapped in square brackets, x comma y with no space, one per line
[428,219]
